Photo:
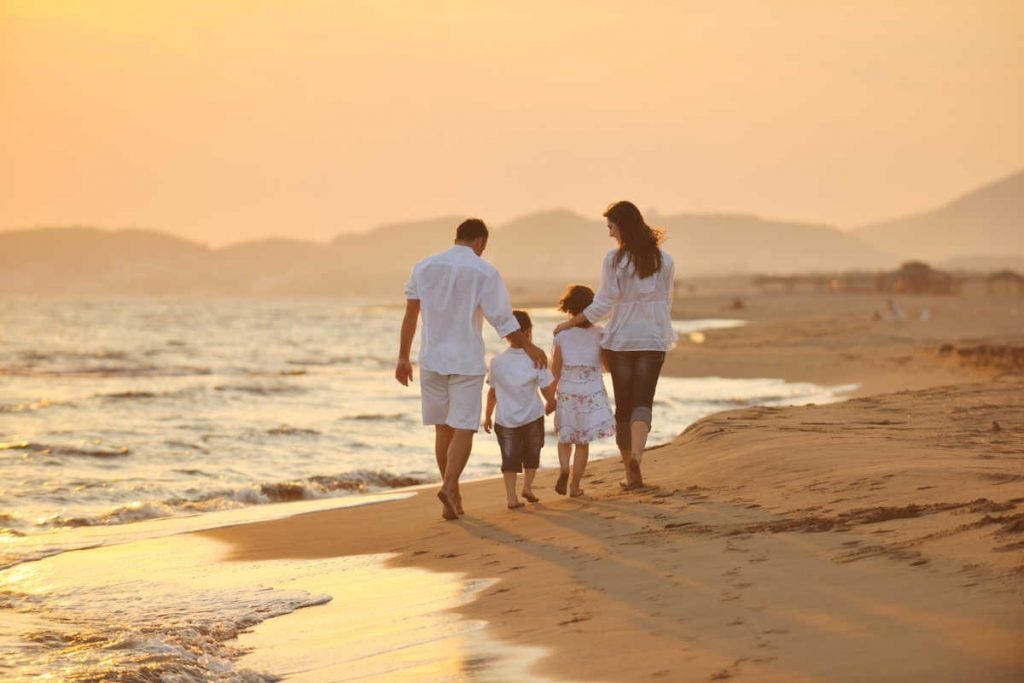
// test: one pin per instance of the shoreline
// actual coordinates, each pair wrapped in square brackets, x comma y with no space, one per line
[877,537]
[708,576]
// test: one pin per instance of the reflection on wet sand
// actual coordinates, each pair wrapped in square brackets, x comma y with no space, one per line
[386,624]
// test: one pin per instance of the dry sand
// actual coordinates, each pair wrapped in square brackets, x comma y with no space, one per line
[878,539]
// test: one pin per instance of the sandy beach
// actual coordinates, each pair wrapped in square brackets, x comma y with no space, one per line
[875,539]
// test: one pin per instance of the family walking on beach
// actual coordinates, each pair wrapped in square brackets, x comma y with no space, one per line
[456,289]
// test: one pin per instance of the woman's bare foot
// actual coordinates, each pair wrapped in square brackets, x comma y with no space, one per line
[633,467]
[457,502]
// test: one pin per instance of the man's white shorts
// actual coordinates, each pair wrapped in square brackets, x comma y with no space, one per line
[453,400]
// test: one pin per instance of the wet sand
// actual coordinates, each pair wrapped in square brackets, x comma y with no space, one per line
[879,539]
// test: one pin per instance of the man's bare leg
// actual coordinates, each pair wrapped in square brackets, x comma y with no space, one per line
[442,440]
[459,449]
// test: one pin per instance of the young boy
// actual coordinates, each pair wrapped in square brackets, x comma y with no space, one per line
[515,383]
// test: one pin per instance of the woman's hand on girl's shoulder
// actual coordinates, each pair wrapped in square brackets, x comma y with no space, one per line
[562,327]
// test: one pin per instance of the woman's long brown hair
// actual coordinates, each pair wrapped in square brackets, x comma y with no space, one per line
[638,242]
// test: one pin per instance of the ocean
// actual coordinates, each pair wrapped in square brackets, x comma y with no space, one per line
[115,414]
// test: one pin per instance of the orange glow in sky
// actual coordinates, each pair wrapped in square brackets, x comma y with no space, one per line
[229,120]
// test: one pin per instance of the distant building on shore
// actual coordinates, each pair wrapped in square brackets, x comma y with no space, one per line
[917,277]
[1005,282]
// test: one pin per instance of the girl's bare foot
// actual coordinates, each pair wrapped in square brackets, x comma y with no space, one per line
[563,479]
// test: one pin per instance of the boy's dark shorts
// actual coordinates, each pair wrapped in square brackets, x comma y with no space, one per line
[520,446]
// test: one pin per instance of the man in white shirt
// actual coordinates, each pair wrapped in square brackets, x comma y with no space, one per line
[454,291]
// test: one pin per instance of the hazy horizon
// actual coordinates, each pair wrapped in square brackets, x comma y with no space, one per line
[243,121]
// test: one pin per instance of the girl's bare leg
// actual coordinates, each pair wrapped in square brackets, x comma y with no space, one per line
[564,453]
[579,466]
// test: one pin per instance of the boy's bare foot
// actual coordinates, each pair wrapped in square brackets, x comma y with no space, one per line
[563,479]
[449,511]
[528,495]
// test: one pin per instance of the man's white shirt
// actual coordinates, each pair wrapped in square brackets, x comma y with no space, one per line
[457,289]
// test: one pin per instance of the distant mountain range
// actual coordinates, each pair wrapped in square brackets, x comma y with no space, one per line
[983,224]
[984,227]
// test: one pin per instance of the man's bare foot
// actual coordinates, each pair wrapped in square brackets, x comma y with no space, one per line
[528,495]
[449,511]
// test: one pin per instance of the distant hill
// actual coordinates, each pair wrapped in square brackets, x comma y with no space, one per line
[986,222]
[560,243]
[546,246]
[91,261]
[980,230]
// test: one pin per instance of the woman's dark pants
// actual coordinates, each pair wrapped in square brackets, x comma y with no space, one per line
[634,379]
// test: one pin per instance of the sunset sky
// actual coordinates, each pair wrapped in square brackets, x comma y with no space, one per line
[226,120]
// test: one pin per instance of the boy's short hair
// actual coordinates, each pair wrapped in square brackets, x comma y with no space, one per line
[470,229]
[575,299]
[524,319]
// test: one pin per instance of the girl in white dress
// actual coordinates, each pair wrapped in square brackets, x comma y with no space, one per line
[582,414]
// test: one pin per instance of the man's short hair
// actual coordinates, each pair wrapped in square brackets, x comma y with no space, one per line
[470,229]
[524,319]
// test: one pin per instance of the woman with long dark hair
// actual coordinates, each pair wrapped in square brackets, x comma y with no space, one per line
[636,289]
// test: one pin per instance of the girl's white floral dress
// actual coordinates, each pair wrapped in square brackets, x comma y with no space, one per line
[582,414]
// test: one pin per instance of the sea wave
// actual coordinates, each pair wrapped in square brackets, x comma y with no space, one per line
[26,407]
[376,417]
[70,451]
[260,389]
[316,487]
[145,631]
[106,371]
[288,430]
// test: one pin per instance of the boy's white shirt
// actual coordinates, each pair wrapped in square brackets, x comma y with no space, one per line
[517,384]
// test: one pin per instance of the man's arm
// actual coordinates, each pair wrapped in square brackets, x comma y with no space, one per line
[403,369]
[536,354]
[492,401]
